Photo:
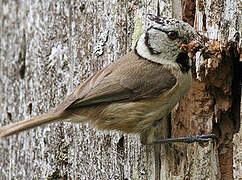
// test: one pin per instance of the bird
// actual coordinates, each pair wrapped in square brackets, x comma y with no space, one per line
[134,93]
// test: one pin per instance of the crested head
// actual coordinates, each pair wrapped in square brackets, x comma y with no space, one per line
[162,41]
[184,30]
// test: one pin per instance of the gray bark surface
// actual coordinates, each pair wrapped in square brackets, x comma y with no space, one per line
[47,48]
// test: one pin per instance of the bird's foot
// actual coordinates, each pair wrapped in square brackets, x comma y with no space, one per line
[189,139]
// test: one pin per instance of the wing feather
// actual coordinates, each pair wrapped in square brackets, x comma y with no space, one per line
[127,79]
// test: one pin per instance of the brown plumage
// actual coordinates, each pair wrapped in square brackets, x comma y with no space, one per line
[131,94]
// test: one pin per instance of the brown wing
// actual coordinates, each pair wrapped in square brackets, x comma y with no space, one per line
[129,78]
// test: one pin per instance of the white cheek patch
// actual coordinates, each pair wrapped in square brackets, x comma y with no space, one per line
[161,58]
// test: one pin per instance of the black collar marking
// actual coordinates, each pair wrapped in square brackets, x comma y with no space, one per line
[183,61]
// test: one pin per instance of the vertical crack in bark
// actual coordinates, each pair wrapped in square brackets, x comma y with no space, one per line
[188,11]
[229,123]
[22,56]
[236,87]
[222,78]
[219,95]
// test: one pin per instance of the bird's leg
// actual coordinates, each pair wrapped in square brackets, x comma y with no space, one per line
[189,139]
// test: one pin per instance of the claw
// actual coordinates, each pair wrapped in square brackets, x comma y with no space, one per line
[189,139]
[200,138]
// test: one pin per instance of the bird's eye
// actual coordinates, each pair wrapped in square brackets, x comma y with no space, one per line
[172,35]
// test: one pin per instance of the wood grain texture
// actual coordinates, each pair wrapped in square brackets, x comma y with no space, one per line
[48,48]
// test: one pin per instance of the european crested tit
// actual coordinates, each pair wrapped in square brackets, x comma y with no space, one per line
[136,91]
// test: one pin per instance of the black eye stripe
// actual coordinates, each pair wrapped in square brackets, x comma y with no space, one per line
[159,29]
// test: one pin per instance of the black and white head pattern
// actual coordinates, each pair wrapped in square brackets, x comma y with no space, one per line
[161,42]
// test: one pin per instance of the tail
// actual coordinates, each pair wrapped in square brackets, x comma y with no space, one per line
[30,123]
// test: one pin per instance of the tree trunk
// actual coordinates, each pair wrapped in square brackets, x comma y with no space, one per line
[47,48]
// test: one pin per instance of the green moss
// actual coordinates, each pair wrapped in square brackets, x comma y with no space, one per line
[138,29]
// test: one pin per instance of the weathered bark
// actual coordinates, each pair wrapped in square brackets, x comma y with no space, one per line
[47,48]
[213,103]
